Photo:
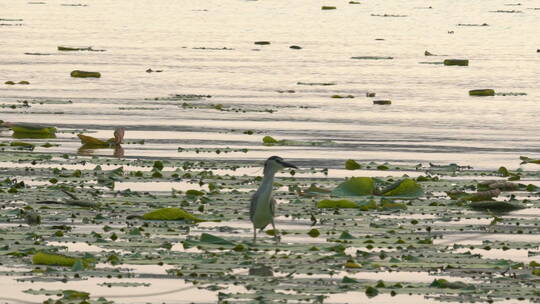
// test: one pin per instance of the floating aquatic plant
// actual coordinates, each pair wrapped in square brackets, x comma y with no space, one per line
[170,214]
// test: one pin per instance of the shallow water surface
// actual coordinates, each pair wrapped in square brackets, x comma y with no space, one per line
[432,118]
[247,91]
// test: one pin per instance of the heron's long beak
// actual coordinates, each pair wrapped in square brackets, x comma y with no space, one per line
[288,165]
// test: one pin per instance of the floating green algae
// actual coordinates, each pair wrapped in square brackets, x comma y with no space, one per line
[337,204]
[170,214]
[442,283]
[42,258]
[33,129]
[85,74]
[482,92]
[22,145]
[269,140]
[458,62]
[528,160]
[361,186]
[351,164]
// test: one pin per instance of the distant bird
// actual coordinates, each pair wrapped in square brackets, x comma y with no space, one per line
[263,205]
[95,143]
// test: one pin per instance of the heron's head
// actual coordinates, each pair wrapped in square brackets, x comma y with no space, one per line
[275,163]
[119,135]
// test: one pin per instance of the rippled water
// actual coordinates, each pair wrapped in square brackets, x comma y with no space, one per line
[431,118]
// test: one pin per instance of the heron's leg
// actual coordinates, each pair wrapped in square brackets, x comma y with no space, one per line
[276,237]
[254,234]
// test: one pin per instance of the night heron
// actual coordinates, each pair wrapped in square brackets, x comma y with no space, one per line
[262,207]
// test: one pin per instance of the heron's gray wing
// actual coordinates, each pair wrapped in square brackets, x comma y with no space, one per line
[253,205]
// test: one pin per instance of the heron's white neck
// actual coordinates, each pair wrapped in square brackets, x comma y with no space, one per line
[266,187]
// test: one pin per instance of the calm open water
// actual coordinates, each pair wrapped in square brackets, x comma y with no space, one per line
[431,118]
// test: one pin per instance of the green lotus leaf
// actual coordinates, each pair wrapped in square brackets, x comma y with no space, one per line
[355,186]
[212,239]
[406,188]
[33,129]
[442,283]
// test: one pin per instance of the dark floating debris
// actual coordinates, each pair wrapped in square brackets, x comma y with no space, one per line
[85,74]
[472,24]
[2,20]
[507,11]
[482,92]
[23,82]
[72,49]
[387,15]
[325,7]
[191,96]
[38,54]
[316,83]
[354,2]
[286,91]
[460,62]
[370,94]
[342,96]
[372,57]
[213,48]
[511,94]
[262,42]
[151,71]
[382,102]
[427,53]
[495,206]
[295,47]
